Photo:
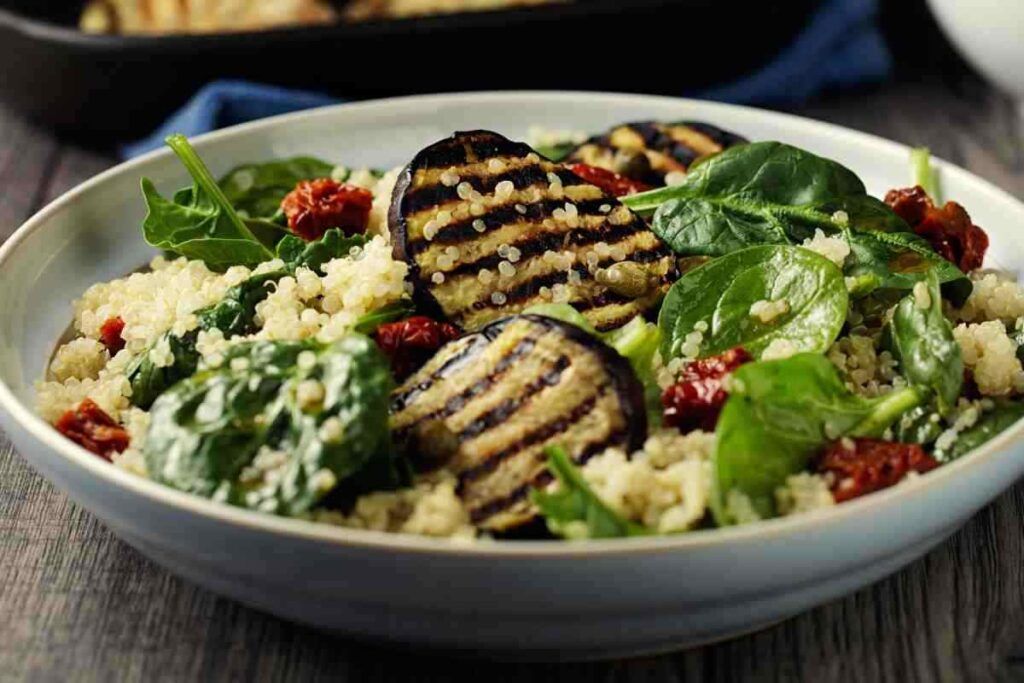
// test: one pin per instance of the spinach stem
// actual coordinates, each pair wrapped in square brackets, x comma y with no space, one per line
[924,172]
[201,174]
[887,412]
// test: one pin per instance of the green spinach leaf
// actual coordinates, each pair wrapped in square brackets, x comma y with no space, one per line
[200,222]
[296,252]
[257,189]
[368,323]
[778,415]
[899,260]
[720,294]
[574,511]
[760,193]
[988,426]
[273,433]
[563,312]
[923,343]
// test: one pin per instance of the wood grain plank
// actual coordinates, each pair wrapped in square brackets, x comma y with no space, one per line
[77,604]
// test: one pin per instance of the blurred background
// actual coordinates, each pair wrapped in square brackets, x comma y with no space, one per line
[105,72]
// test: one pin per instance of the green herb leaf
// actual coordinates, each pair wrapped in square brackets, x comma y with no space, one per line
[899,260]
[368,324]
[296,252]
[760,193]
[148,380]
[200,223]
[923,343]
[574,511]
[988,426]
[257,189]
[720,294]
[242,435]
[778,415]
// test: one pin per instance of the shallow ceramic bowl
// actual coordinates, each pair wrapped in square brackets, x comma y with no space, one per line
[520,599]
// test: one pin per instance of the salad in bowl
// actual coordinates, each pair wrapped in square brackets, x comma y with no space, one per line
[658,328]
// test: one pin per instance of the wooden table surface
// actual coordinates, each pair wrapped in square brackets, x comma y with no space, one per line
[77,604]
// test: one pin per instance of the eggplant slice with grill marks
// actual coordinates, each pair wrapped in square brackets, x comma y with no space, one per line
[490,228]
[486,405]
[647,151]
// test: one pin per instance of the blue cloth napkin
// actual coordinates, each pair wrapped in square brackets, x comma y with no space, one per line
[840,46]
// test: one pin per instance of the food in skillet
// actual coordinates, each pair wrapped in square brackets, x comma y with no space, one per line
[200,16]
[223,16]
[487,342]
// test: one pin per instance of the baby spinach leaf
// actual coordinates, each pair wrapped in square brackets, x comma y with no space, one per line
[234,315]
[720,294]
[760,193]
[923,343]
[368,323]
[988,426]
[253,437]
[778,415]
[921,425]
[148,380]
[899,260]
[257,189]
[200,222]
[296,252]
[574,511]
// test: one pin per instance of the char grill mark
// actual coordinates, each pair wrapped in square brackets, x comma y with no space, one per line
[543,478]
[495,414]
[477,389]
[667,147]
[522,178]
[449,241]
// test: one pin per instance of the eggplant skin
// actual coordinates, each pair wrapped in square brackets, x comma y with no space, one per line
[488,403]
[489,228]
[646,151]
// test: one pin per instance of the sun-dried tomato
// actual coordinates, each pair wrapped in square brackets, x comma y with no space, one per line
[316,206]
[92,429]
[609,181]
[948,229]
[860,466]
[410,343]
[110,334]
[696,399]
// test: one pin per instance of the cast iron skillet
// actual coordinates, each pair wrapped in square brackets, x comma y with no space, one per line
[116,87]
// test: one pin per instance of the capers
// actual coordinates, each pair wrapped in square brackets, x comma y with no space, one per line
[627,278]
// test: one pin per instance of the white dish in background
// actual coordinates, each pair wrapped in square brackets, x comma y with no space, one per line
[990,35]
[520,599]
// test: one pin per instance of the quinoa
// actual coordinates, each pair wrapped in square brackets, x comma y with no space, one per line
[835,249]
[991,355]
[803,492]
[995,296]
[665,486]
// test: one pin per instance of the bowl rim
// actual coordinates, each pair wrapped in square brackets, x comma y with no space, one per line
[308,530]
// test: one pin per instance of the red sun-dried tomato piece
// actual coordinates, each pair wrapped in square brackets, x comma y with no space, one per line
[110,334]
[697,397]
[410,343]
[316,206]
[92,429]
[861,466]
[609,181]
[948,229]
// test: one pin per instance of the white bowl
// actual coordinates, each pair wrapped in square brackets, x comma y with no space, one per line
[524,599]
[990,35]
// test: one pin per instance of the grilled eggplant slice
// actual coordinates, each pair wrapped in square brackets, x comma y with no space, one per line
[490,228]
[487,404]
[647,151]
